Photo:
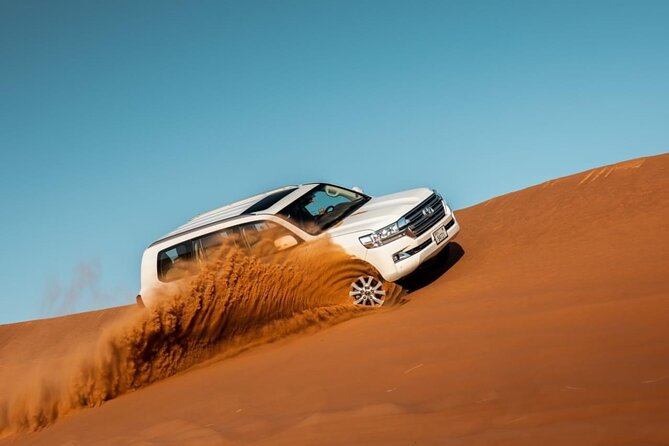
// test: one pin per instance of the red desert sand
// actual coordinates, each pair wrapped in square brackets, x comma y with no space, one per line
[547,323]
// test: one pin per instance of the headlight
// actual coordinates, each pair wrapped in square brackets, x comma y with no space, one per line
[385,235]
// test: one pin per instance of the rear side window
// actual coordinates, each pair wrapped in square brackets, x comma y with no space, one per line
[211,244]
[183,259]
[176,262]
[259,238]
[253,233]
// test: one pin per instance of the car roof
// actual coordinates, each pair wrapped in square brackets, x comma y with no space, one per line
[237,209]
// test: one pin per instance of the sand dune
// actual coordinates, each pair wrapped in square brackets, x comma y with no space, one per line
[547,322]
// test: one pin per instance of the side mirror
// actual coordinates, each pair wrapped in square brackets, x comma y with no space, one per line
[285,242]
[357,189]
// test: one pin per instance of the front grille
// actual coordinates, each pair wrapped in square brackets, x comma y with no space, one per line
[419,221]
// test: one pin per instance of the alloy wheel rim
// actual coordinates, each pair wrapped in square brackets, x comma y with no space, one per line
[368,291]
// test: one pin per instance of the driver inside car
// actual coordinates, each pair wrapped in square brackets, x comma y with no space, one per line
[299,212]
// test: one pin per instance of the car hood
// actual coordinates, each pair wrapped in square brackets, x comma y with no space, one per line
[380,211]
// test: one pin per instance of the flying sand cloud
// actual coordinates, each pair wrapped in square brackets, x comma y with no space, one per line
[231,304]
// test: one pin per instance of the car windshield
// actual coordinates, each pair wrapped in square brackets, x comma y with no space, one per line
[322,207]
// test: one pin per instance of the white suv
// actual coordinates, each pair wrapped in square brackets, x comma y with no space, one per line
[394,233]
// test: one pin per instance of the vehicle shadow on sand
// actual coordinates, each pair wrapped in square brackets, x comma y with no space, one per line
[433,269]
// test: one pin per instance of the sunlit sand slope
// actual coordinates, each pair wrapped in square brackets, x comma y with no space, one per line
[547,324]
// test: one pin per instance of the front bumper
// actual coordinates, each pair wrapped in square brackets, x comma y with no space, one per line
[424,246]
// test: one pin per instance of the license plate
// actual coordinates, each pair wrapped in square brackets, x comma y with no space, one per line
[440,235]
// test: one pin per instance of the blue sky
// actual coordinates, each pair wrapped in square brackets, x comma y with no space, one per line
[120,120]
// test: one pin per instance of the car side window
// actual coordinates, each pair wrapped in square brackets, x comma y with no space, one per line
[262,237]
[176,262]
[182,260]
[211,244]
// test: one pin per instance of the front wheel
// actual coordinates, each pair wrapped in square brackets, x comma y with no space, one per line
[368,291]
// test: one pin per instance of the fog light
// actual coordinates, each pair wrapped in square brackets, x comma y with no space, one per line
[400,256]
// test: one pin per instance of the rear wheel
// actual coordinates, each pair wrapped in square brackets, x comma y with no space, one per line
[368,291]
